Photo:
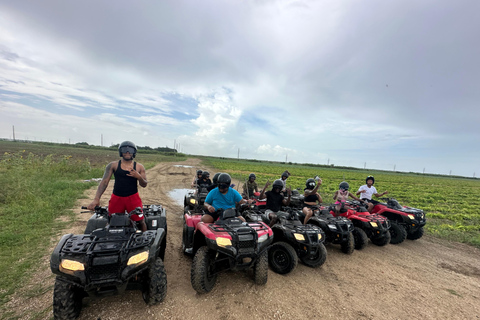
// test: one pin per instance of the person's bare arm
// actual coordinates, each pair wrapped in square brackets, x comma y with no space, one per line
[262,194]
[102,186]
[378,195]
[351,195]
[335,195]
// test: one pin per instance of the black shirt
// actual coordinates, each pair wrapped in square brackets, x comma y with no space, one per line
[274,201]
[124,185]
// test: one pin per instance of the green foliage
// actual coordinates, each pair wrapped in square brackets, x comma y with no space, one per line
[35,192]
[450,203]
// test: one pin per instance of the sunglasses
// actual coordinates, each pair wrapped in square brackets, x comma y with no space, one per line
[127,149]
[222,186]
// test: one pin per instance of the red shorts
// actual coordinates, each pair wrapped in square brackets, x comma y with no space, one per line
[125,204]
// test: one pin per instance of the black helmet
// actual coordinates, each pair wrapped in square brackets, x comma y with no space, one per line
[285,174]
[224,178]
[344,185]
[199,172]
[252,175]
[215,177]
[127,146]
[310,183]
[205,175]
[277,184]
[370,178]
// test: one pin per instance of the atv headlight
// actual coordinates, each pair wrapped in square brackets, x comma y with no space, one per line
[332,226]
[138,258]
[299,236]
[319,236]
[193,201]
[374,224]
[263,238]
[71,265]
[223,242]
[411,216]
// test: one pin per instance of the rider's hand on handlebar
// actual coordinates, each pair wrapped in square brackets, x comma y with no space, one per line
[93,204]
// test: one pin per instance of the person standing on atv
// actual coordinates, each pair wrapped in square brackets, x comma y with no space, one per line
[250,187]
[367,190]
[275,200]
[128,174]
[311,197]
[196,178]
[222,197]
[341,196]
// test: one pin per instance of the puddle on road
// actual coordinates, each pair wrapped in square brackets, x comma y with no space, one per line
[182,166]
[179,195]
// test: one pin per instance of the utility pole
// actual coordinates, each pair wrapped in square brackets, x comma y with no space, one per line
[101,140]
[328,162]
[238,155]
[13,133]
[365,165]
[394,166]
[423,170]
[450,172]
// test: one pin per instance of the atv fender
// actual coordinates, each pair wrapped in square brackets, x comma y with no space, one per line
[55,258]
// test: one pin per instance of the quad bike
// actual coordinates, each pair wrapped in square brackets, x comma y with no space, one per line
[367,225]
[110,259]
[338,230]
[194,199]
[292,240]
[226,244]
[406,222]
[296,199]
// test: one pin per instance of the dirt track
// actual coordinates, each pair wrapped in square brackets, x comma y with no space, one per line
[423,279]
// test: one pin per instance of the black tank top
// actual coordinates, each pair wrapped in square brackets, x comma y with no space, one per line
[311,197]
[124,185]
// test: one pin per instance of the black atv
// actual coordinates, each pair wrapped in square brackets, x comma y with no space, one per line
[195,199]
[292,240]
[110,259]
[228,243]
[338,230]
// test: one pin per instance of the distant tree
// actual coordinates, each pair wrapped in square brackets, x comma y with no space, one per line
[82,144]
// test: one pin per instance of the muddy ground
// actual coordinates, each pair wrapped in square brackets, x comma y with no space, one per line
[423,279]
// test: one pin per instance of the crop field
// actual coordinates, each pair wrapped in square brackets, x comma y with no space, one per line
[451,204]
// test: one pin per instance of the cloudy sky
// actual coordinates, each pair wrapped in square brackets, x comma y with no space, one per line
[381,84]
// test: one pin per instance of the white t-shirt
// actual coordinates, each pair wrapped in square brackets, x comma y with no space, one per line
[369,192]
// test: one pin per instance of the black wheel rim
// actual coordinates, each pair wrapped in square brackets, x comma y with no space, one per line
[280,259]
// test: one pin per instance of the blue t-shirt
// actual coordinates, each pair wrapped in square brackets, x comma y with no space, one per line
[223,201]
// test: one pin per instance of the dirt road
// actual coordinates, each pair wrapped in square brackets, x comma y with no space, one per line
[423,279]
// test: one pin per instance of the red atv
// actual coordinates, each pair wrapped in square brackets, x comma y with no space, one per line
[367,225]
[406,222]
[227,244]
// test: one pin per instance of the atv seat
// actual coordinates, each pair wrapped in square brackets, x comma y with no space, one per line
[119,220]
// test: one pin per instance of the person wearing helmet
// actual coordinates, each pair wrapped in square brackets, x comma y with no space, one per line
[341,196]
[128,175]
[205,181]
[284,178]
[275,201]
[196,178]
[223,197]
[367,190]
[250,187]
[311,197]
[214,182]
